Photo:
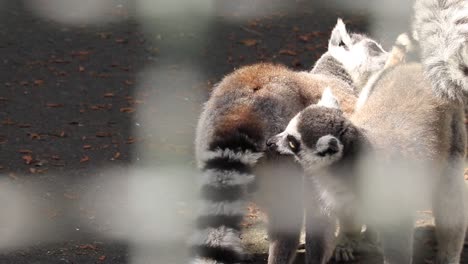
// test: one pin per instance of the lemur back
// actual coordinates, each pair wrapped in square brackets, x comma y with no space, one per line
[401,99]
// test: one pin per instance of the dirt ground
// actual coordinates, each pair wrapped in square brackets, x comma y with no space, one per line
[75,98]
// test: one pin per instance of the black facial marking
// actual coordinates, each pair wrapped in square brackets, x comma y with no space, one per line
[332,148]
[293,143]
[464,70]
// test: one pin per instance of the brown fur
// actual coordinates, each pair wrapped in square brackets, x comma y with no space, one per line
[272,82]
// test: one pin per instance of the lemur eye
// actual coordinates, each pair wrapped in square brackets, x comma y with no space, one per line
[293,143]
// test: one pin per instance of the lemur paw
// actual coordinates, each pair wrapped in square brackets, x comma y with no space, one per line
[345,247]
[348,247]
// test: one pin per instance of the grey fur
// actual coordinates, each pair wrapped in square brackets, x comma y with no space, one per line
[441,27]
[328,65]
[249,106]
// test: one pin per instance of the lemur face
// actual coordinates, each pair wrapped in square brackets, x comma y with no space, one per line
[312,136]
[360,55]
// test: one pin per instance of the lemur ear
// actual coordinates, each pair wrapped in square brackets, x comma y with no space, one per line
[328,145]
[328,99]
[339,35]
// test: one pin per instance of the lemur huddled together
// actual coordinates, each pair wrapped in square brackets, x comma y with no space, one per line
[364,138]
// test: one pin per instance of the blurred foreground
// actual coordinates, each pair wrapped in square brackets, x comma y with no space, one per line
[98,104]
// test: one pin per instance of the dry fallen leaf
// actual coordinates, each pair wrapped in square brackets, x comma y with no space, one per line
[87,146]
[304,38]
[27,159]
[127,110]
[288,52]
[249,42]
[116,155]
[38,82]
[102,258]
[130,140]
[25,151]
[109,95]
[34,136]
[84,159]
[103,134]
[54,105]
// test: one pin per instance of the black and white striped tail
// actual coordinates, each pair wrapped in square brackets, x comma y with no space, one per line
[227,177]
[441,27]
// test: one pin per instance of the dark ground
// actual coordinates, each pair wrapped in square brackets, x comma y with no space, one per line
[70,98]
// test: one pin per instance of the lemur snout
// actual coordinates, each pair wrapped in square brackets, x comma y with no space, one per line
[271,144]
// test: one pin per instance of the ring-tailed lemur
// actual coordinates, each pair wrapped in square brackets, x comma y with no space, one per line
[246,108]
[404,145]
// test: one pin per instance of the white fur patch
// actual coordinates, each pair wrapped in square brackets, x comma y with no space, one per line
[367,90]
[291,129]
[315,162]
[203,261]
[340,28]
[246,157]
[223,237]
[225,178]
[208,208]
[328,99]
[404,40]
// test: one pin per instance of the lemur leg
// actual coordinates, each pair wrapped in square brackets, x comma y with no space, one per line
[284,230]
[397,240]
[320,229]
[282,198]
[349,238]
[449,201]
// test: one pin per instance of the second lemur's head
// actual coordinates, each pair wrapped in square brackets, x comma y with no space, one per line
[318,136]
[360,55]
